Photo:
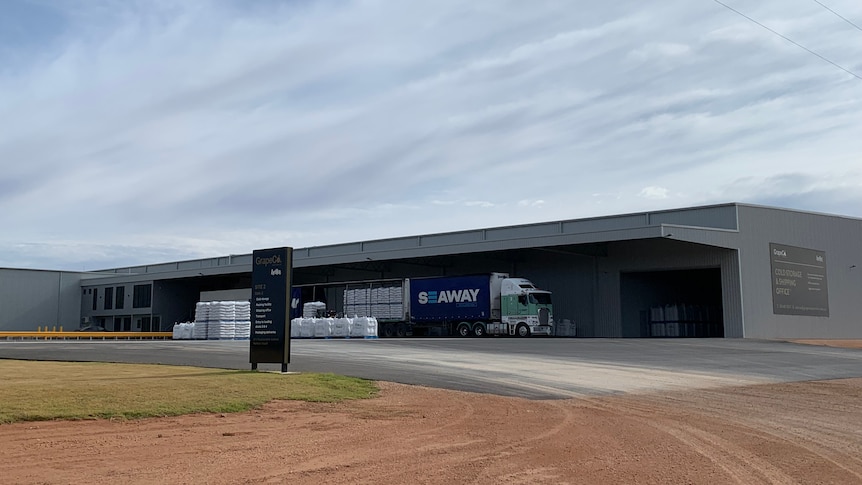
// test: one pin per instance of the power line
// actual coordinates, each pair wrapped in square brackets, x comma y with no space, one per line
[790,40]
[838,15]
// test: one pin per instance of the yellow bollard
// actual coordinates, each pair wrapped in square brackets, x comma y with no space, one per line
[61,328]
[39,328]
[54,329]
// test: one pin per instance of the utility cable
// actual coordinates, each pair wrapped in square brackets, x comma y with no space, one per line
[797,44]
[838,15]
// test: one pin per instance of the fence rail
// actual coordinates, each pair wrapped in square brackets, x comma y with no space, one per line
[60,335]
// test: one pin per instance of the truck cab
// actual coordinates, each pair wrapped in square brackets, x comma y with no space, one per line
[525,309]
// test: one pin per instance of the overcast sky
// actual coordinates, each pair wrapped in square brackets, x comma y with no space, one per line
[149,131]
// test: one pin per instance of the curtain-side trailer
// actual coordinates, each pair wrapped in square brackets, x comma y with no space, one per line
[477,305]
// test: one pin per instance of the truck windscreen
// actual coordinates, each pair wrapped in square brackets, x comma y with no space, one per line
[540,298]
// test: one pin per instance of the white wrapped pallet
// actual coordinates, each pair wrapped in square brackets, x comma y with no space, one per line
[213,329]
[242,330]
[306,329]
[202,311]
[341,327]
[312,308]
[295,328]
[200,330]
[225,330]
[322,327]
[365,327]
[243,311]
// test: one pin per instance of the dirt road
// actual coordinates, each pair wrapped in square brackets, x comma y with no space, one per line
[783,433]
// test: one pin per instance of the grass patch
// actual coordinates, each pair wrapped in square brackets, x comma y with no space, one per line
[33,391]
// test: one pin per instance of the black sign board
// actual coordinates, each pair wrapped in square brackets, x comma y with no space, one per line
[798,281]
[270,297]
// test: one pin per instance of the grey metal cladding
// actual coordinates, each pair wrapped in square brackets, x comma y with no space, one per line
[391,244]
[241,259]
[731,295]
[605,224]
[721,217]
[159,268]
[532,230]
[33,298]
[724,238]
[840,238]
[194,264]
[452,238]
[333,250]
[571,279]
[659,255]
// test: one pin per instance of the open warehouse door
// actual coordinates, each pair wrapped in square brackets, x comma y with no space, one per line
[673,303]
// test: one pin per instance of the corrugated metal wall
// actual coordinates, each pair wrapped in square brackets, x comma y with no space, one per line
[570,278]
[660,255]
[29,299]
[721,217]
[839,237]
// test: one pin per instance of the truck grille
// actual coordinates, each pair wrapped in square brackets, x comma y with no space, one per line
[544,316]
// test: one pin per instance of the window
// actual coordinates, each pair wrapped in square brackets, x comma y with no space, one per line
[142,296]
[121,298]
[95,298]
[109,298]
[540,298]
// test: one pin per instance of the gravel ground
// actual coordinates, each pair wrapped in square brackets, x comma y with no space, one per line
[808,432]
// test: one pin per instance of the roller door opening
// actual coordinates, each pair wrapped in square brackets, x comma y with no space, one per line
[672,304]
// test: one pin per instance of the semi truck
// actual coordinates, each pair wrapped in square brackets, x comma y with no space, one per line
[478,305]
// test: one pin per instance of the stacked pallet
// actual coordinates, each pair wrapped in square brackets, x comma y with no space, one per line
[218,320]
[359,327]
[242,320]
[381,302]
[202,318]
[222,323]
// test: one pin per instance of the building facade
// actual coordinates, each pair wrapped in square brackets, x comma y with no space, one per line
[731,270]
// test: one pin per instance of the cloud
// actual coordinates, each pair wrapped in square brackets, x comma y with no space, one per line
[653,192]
[135,131]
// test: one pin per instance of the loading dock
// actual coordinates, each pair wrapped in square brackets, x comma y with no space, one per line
[672,303]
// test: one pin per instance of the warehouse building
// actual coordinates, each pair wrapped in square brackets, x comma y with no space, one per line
[731,270]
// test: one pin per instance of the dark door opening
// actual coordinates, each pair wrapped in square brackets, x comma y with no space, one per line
[676,303]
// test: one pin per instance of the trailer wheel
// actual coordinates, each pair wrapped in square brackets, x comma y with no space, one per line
[479,330]
[463,330]
[388,330]
[523,330]
[401,330]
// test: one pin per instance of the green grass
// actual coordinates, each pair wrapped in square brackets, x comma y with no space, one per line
[34,391]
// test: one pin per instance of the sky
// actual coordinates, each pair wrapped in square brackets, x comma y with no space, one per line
[135,132]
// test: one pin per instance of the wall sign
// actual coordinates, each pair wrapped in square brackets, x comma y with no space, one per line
[798,281]
[270,298]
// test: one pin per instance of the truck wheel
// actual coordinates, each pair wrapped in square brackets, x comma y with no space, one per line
[388,330]
[523,330]
[479,330]
[463,330]
[401,330]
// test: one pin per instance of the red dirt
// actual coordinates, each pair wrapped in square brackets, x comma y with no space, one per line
[782,433]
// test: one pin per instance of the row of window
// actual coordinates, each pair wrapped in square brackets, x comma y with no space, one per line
[115,297]
[142,323]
